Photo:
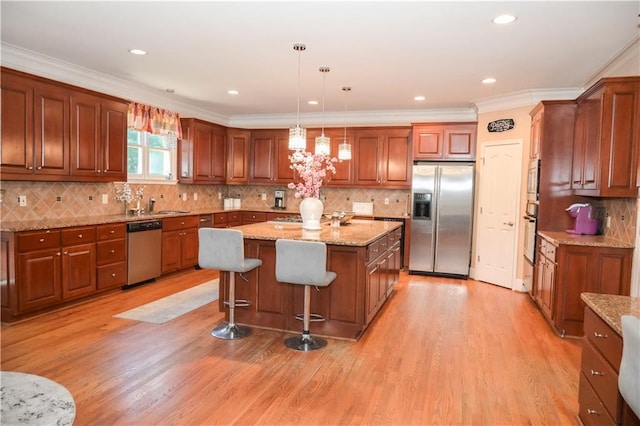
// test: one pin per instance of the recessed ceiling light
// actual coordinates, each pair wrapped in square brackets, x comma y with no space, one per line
[419,98]
[137,52]
[312,102]
[503,19]
[489,80]
[233,92]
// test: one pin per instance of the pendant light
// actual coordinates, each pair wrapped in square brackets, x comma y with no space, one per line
[344,149]
[323,143]
[298,135]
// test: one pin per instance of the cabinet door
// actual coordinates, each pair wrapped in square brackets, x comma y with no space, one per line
[78,271]
[238,156]
[396,160]
[344,169]
[536,129]
[284,173]
[85,135]
[428,142]
[171,251]
[203,152]
[39,279]
[460,142]
[16,153]
[263,148]
[372,287]
[52,106]
[189,248]
[114,140]
[368,151]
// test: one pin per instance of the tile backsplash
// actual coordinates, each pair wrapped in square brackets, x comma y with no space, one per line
[73,199]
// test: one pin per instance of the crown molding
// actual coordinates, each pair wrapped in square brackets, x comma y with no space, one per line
[525,98]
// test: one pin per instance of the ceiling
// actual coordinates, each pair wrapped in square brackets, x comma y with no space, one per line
[388,52]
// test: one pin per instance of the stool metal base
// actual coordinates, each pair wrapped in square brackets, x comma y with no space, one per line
[228,331]
[305,343]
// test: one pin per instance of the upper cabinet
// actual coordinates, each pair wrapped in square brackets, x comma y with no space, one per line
[270,157]
[607,134]
[238,156]
[55,132]
[344,175]
[203,152]
[444,141]
[382,157]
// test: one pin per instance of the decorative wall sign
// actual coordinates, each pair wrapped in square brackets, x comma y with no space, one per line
[501,125]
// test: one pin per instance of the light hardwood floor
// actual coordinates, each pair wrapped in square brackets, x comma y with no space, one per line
[442,351]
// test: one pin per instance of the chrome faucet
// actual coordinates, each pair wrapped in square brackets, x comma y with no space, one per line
[152,202]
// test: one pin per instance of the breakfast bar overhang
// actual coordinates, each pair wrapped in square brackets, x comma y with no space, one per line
[365,255]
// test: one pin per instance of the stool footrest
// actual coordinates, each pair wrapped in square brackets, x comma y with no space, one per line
[312,317]
[240,303]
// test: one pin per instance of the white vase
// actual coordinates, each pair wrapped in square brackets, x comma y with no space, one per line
[311,211]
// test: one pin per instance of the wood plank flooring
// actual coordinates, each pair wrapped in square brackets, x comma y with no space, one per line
[442,351]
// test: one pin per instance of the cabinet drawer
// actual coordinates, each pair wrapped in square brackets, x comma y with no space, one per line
[177,223]
[592,412]
[112,275]
[111,252]
[251,217]
[603,338]
[373,251]
[235,218]
[110,232]
[37,240]
[220,219]
[73,236]
[383,244]
[603,379]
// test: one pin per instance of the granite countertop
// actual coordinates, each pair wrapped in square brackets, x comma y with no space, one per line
[611,307]
[52,223]
[583,240]
[358,232]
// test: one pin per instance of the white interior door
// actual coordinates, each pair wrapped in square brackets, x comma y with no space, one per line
[499,179]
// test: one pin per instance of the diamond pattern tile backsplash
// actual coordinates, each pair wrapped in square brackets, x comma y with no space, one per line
[72,199]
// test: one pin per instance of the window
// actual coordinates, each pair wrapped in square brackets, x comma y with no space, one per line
[150,157]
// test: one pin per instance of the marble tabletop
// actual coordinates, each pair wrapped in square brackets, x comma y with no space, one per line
[583,240]
[357,232]
[611,307]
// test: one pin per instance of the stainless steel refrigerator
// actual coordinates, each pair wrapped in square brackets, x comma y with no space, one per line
[441,218]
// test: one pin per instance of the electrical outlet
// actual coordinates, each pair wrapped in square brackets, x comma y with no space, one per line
[184,196]
[195,196]
[386,201]
[105,198]
[263,196]
[219,195]
[22,200]
[608,221]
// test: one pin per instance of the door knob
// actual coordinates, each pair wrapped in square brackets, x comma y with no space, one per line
[508,223]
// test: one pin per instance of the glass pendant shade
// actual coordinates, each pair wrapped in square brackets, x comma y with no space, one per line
[344,151]
[323,145]
[297,138]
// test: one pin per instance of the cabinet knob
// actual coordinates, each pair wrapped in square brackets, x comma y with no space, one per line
[58,254]
[599,335]
[29,167]
[79,235]
[41,240]
[112,251]
[113,275]
[39,167]
[592,412]
[112,231]
[596,373]
[66,253]
[98,171]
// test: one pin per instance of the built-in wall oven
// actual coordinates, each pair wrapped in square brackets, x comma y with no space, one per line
[533,180]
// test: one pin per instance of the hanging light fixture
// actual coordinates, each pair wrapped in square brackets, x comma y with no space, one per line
[344,149]
[323,143]
[298,135]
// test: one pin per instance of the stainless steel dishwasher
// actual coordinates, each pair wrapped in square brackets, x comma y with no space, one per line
[144,251]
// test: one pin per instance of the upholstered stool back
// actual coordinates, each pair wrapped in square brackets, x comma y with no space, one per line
[629,377]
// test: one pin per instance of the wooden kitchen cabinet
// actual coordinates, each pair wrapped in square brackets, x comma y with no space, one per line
[111,256]
[344,175]
[567,270]
[607,135]
[203,152]
[270,158]
[78,262]
[238,155]
[444,141]
[179,243]
[57,132]
[98,129]
[383,158]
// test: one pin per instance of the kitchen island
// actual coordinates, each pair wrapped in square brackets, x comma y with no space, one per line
[365,255]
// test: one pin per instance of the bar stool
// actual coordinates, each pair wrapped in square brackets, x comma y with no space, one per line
[303,263]
[223,249]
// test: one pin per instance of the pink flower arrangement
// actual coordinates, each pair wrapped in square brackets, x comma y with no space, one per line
[312,169]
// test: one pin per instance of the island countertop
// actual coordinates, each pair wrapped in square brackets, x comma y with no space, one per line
[611,307]
[357,233]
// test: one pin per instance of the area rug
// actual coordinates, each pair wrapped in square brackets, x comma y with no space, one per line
[171,307]
[28,399]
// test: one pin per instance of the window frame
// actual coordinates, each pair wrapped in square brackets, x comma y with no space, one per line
[145,149]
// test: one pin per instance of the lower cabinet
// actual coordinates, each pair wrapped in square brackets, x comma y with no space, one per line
[111,258]
[382,273]
[179,243]
[564,271]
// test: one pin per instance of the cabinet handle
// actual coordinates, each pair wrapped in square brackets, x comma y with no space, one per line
[66,253]
[591,412]
[113,275]
[29,167]
[112,251]
[41,240]
[79,235]
[596,373]
[58,254]
[373,271]
[98,171]
[599,335]
[112,231]
[39,167]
